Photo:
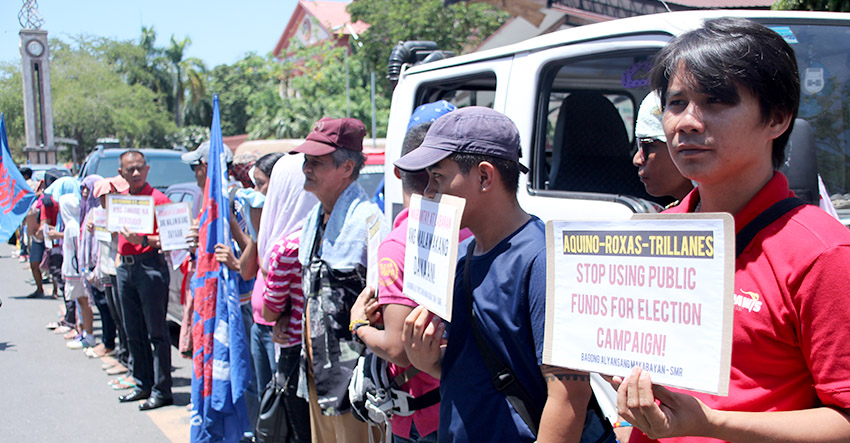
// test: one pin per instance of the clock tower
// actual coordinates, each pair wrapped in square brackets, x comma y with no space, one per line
[38,108]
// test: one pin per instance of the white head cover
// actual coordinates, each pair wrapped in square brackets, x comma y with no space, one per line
[69,209]
[649,119]
[286,206]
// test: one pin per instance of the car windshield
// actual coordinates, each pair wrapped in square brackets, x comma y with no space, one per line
[165,170]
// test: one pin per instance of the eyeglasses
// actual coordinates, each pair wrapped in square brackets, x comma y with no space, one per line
[645,145]
[194,165]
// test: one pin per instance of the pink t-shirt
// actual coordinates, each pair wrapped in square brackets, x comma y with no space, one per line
[257,299]
[390,285]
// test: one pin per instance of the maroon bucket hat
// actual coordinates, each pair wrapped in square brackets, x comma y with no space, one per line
[330,134]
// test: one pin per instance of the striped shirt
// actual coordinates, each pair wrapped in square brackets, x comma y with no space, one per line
[283,285]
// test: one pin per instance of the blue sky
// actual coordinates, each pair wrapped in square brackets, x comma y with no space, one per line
[222,31]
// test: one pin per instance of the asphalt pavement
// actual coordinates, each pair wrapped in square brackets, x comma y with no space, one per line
[51,393]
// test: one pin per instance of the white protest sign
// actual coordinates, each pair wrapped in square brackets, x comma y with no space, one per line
[99,220]
[374,240]
[133,211]
[177,257]
[174,221]
[655,291]
[430,255]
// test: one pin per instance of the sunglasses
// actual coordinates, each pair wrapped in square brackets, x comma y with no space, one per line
[194,166]
[644,144]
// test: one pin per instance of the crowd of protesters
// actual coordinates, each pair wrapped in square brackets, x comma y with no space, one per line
[299,229]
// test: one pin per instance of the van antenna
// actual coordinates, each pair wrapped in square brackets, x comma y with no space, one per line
[665,5]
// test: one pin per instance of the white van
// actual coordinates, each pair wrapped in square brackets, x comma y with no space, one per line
[574,96]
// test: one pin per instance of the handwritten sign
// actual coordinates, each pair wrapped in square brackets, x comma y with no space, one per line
[99,220]
[430,255]
[174,221]
[655,291]
[372,244]
[133,211]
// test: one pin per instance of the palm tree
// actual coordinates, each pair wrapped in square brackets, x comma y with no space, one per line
[187,75]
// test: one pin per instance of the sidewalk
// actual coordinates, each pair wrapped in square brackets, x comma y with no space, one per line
[52,393]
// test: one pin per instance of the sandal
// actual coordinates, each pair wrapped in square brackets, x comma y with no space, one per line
[52,325]
[70,335]
[62,329]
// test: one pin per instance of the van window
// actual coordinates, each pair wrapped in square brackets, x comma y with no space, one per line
[584,130]
[474,90]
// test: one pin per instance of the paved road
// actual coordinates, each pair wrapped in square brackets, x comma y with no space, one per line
[51,393]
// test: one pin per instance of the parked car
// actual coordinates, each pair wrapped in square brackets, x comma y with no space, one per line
[166,166]
[38,170]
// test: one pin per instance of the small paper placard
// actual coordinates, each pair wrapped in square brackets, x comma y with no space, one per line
[135,212]
[655,291]
[374,240]
[174,221]
[430,256]
[98,216]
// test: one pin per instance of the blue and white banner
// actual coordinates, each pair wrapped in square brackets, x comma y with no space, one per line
[16,196]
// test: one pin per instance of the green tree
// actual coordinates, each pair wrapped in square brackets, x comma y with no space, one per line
[460,27]
[235,84]
[92,100]
[188,82]
[12,107]
[813,5]
[312,86]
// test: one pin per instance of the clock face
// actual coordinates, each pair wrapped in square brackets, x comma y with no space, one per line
[35,48]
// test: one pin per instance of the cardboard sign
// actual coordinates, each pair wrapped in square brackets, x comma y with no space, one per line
[174,221]
[177,257]
[135,212]
[655,291]
[99,220]
[372,243]
[430,256]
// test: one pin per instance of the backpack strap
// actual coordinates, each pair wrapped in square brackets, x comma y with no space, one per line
[763,220]
[502,377]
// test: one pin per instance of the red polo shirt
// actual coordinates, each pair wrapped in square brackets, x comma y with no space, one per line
[790,336]
[49,213]
[127,248]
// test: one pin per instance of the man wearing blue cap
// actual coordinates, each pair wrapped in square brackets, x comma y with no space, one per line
[474,153]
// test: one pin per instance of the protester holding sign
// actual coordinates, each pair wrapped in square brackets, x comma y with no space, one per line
[394,305]
[731,91]
[332,251]
[474,153]
[107,253]
[143,288]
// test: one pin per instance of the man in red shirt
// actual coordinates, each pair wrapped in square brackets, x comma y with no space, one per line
[731,91]
[143,288]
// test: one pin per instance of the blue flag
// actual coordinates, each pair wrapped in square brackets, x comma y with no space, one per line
[220,361]
[16,196]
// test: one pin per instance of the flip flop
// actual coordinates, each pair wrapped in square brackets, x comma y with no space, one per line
[123,385]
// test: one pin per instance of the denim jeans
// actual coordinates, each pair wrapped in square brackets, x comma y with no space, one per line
[414,437]
[107,324]
[262,351]
[252,396]
[143,288]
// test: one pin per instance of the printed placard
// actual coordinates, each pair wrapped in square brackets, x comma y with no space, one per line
[174,221]
[99,221]
[135,212]
[372,243]
[655,291]
[430,255]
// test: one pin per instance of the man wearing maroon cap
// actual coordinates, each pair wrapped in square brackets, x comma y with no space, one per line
[333,258]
